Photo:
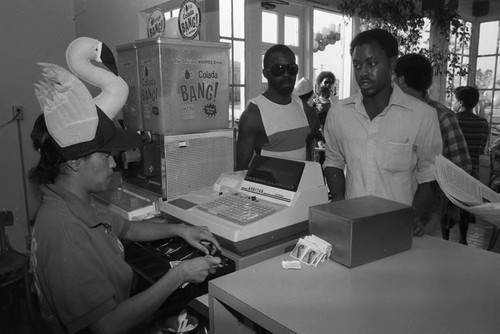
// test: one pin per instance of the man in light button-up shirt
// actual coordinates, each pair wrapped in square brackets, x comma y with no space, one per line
[385,139]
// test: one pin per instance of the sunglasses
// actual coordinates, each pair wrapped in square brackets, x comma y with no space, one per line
[278,70]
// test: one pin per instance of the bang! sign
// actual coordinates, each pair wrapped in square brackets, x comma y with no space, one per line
[156,23]
[189,19]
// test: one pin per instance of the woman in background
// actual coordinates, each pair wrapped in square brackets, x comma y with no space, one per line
[304,90]
[325,94]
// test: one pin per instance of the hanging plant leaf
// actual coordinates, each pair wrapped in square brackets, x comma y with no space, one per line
[405,21]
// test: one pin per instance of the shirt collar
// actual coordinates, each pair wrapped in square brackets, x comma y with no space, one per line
[398,98]
[77,207]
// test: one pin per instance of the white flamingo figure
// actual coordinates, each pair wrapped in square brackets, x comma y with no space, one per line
[79,55]
[70,111]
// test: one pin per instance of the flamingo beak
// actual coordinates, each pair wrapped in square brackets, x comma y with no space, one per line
[108,59]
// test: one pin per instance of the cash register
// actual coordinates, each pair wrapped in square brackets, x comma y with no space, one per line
[266,204]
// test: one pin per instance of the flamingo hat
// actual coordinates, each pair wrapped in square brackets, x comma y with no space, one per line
[79,124]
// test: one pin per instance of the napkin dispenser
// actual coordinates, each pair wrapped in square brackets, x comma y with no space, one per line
[363,229]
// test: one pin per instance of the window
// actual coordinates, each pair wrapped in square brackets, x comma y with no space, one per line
[291,36]
[269,27]
[172,13]
[232,31]
[460,57]
[332,37]
[488,71]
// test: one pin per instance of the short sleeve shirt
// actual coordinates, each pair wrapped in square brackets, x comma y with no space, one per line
[78,260]
[387,156]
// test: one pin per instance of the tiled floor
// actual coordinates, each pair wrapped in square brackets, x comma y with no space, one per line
[479,235]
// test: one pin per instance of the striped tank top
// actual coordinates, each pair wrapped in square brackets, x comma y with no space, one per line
[286,128]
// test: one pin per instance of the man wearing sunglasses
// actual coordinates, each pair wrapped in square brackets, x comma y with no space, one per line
[274,123]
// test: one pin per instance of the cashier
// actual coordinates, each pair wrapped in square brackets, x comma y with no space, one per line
[82,280]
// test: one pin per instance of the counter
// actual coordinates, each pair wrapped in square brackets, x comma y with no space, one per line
[436,287]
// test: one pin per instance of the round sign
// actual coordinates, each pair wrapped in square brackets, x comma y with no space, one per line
[189,19]
[156,23]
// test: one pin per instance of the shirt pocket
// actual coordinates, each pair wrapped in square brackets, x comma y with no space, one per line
[397,157]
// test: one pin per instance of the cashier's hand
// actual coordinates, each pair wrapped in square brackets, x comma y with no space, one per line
[195,234]
[197,269]
[418,227]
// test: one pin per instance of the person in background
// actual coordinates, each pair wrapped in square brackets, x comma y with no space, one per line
[274,123]
[82,280]
[325,94]
[304,90]
[475,130]
[385,139]
[327,79]
[322,103]
[474,127]
[414,76]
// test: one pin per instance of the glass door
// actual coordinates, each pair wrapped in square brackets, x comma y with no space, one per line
[332,35]
[488,74]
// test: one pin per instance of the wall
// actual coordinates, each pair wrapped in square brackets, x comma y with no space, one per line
[113,21]
[31,31]
[118,22]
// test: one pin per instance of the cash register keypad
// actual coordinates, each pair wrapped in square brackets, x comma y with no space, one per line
[237,208]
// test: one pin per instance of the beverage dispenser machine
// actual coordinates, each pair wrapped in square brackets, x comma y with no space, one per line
[179,101]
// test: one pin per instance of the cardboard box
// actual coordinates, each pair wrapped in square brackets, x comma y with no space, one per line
[363,229]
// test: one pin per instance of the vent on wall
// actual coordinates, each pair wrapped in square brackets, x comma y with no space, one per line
[323,2]
[272,4]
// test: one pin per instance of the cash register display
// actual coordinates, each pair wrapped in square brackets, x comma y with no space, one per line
[278,173]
